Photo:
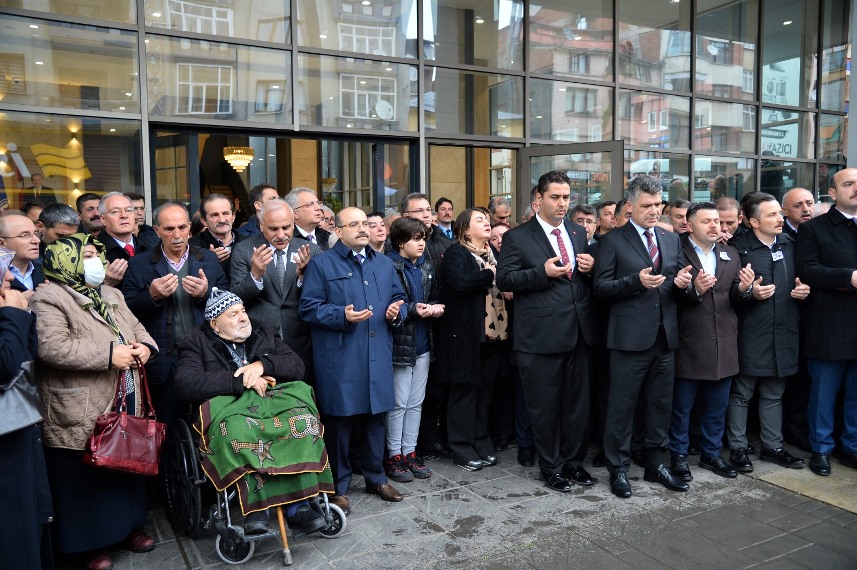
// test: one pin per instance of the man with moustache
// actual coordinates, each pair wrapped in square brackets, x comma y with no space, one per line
[18,233]
[217,216]
[639,273]
[166,287]
[445,216]
[117,215]
[267,273]
[90,218]
[308,214]
[798,207]
[545,265]
[605,214]
[351,297]
[678,216]
[827,262]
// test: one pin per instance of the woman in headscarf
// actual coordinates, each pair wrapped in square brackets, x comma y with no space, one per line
[24,491]
[88,341]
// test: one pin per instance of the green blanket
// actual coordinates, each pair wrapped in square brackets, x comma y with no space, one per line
[271,446]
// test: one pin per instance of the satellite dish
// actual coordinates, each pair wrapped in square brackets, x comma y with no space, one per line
[384,109]
[712,49]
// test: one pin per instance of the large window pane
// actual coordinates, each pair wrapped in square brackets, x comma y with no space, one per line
[778,176]
[113,10]
[357,94]
[570,111]
[834,133]
[589,173]
[572,38]
[788,133]
[654,44]
[214,80]
[711,174]
[263,20]
[458,102]
[73,155]
[673,170]
[790,43]
[656,121]
[475,32]
[377,27]
[724,127]
[726,43]
[68,65]
[835,57]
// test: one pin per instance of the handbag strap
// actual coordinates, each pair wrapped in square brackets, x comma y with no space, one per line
[123,404]
[147,408]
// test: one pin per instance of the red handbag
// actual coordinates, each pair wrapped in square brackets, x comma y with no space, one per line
[126,442]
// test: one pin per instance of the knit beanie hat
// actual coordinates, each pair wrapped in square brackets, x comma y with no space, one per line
[219,301]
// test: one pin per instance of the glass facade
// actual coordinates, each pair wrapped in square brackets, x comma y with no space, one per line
[364,100]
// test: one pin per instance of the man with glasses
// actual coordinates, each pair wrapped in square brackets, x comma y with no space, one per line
[90,219]
[308,216]
[117,215]
[18,233]
[584,215]
[328,221]
[351,297]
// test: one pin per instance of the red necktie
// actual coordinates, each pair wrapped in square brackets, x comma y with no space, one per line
[563,253]
[130,249]
[653,250]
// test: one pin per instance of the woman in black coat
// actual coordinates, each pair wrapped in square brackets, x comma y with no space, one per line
[473,325]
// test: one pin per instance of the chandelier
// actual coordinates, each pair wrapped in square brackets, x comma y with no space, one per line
[238,156]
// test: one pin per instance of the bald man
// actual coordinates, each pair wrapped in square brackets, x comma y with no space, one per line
[798,207]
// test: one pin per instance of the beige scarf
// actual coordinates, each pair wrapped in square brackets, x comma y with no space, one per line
[496,318]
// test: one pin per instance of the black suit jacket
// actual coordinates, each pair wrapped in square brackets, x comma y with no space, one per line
[826,256]
[635,311]
[787,229]
[322,238]
[548,312]
[204,240]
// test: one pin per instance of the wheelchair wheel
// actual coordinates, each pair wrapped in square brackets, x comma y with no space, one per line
[234,552]
[336,522]
[181,472]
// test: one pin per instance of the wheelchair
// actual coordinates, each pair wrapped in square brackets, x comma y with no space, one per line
[186,484]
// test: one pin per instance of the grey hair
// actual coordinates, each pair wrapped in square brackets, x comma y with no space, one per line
[156,215]
[643,185]
[276,204]
[102,205]
[498,201]
[54,214]
[292,197]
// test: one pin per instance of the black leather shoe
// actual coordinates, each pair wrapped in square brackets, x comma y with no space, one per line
[599,460]
[665,477]
[474,465]
[502,442]
[638,456]
[740,460]
[848,459]
[558,483]
[490,461]
[750,449]
[619,484]
[526,456]
[819,464]
[782,458]
[680,468]
[307,520]
[436,450]
[257,523]
[579,475]
[718,465]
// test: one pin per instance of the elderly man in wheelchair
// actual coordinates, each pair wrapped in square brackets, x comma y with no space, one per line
[258,423]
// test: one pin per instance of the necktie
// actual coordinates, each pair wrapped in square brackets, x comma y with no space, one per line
[311,237]
[281,265]
[653,250]
[448,232]
[360,257]
[130,249]
[563,253]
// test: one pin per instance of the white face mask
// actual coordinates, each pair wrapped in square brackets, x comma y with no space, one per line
[93,271]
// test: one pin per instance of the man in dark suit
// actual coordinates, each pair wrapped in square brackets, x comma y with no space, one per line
[38,192]
[259,194]
[638,272]
[120,243]
[18,233]
[798,207]
[543,262]
[308,213]
[826,256]
[215,212]
[267,273]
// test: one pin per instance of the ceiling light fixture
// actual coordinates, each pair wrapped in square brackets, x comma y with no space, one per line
[787,23]
[479,20]
[238,156]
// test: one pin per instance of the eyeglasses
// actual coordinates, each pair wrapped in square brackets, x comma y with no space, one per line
[420,211]
[355,224]
[312,204]
[26,236]
[118,211]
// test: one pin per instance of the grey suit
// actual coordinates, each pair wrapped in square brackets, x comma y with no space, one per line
[277,302]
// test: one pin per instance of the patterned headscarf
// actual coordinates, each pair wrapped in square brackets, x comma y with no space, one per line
[6,256]
[63,263]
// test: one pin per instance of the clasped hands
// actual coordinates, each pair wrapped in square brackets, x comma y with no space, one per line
[165,286]
[353,316]
[253,378]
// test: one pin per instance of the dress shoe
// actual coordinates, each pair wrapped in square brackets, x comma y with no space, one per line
[665,477]
[638,456]
[750,449]
[306,520]
[386,491]
[474,465]
[257,523]
[138,541]
[342,502]
[740,460]
[599,460]
[619,484]
[680,468]
[526,456]
[819,464]
[848,459]
[558,483]
[98,560]
[718,465]
[490,461]
[438,450]
[502,442]
[782,458]
[579,475]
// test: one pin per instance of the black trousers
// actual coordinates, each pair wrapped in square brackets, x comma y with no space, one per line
[337,438]
[599,373]
[556,387]
[647,374]
[433,420]
[468,410]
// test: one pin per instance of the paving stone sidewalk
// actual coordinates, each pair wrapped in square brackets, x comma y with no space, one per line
[503,517]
